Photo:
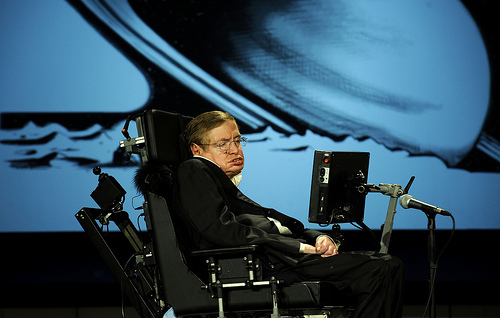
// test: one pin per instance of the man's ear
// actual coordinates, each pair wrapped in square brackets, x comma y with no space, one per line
[195,149]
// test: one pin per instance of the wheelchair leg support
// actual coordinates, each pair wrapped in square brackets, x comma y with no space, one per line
[215,283]
[216,287]
[274,291]
[220,301]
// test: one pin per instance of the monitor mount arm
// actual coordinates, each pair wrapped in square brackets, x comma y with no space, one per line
[394,191]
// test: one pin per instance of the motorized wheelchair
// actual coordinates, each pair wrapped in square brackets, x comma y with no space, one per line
[161,274]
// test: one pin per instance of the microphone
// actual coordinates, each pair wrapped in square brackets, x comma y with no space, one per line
[407,201]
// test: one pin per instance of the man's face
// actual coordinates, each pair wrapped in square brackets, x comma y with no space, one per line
[231,162]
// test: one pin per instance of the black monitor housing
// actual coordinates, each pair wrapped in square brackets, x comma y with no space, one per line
[336,180]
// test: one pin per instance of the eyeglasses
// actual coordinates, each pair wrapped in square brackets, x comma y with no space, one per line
[225,145]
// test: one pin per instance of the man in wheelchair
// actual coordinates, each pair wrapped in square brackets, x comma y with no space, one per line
[216,214]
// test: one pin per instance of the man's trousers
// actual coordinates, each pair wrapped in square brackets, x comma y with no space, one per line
[374,281]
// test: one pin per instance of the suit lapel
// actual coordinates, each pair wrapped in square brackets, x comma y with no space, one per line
[226,183]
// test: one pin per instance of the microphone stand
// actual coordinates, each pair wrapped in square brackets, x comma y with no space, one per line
[431,246]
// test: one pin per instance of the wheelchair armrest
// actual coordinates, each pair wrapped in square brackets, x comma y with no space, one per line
[227,251]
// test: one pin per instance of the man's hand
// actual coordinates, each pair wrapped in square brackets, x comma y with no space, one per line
[325,247]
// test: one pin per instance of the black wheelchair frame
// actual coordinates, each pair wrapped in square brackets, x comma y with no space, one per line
[156,276]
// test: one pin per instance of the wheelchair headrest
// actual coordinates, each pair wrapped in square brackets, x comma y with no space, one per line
[164,137]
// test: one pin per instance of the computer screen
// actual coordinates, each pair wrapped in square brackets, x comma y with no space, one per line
[336,180]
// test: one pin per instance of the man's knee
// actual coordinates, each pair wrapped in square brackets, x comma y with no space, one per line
[389,266]
[397,266]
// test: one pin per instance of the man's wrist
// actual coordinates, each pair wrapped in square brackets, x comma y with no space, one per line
[302,248]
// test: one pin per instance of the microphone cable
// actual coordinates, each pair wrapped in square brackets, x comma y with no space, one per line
[432,283]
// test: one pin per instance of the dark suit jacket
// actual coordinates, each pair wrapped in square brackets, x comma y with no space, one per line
[217,214]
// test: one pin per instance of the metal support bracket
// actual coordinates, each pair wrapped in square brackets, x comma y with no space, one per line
[394,191]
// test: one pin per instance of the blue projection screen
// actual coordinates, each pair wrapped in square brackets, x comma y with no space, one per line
[410,82]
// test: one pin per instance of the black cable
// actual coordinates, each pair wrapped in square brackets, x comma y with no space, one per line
[139,222]
[356,225]
[124,281]
[136,208]
[328,223]
[141,234]
[360,225]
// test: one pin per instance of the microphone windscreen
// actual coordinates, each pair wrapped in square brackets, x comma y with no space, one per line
[405,200]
